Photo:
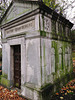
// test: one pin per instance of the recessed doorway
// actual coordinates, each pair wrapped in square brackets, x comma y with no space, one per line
[17,66]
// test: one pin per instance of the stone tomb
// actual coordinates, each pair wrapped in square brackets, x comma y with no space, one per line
[36,42]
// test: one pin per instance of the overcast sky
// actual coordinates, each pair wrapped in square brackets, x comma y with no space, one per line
[70,11]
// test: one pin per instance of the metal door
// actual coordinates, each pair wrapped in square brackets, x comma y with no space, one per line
[17,66]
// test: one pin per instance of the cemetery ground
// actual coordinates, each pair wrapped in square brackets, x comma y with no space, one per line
[67,92]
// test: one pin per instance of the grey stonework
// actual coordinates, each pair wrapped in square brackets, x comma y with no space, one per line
[46,54]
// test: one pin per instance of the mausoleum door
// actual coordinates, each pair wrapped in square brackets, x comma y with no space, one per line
[17,66]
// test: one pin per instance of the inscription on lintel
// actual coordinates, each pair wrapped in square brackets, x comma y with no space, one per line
[21,28]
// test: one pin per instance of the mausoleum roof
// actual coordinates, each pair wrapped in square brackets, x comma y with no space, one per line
[43,9]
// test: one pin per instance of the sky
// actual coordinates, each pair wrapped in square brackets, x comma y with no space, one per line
[70,11]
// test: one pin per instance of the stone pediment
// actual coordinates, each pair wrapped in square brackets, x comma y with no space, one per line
[18,9]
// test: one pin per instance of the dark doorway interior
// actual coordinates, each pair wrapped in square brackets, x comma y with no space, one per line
[17,66]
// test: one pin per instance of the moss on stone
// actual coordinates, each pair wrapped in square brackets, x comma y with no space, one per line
[62,69]
[48,89]
[5,82]
[4,75]
[43,33]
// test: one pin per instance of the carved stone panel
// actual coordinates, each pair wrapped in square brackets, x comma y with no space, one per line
[52,60]
[17,10]
[60,56]
[47,24]
[66,56]
[20,29]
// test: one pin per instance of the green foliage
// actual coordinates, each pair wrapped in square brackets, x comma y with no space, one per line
[3,6]
[0,54]
[51,3]
[73,35]
[73,31]
[2,10]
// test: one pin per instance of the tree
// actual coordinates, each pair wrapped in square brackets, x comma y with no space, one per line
[63,7]
[3,6]
[51,4]
[68,9]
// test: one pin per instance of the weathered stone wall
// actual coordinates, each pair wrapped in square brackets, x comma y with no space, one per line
[56,54]
[73,49]
[56,60]
[33,61]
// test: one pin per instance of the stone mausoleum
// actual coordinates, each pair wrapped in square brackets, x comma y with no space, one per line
[36,49]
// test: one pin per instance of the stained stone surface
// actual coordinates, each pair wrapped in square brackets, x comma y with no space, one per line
[33,61]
